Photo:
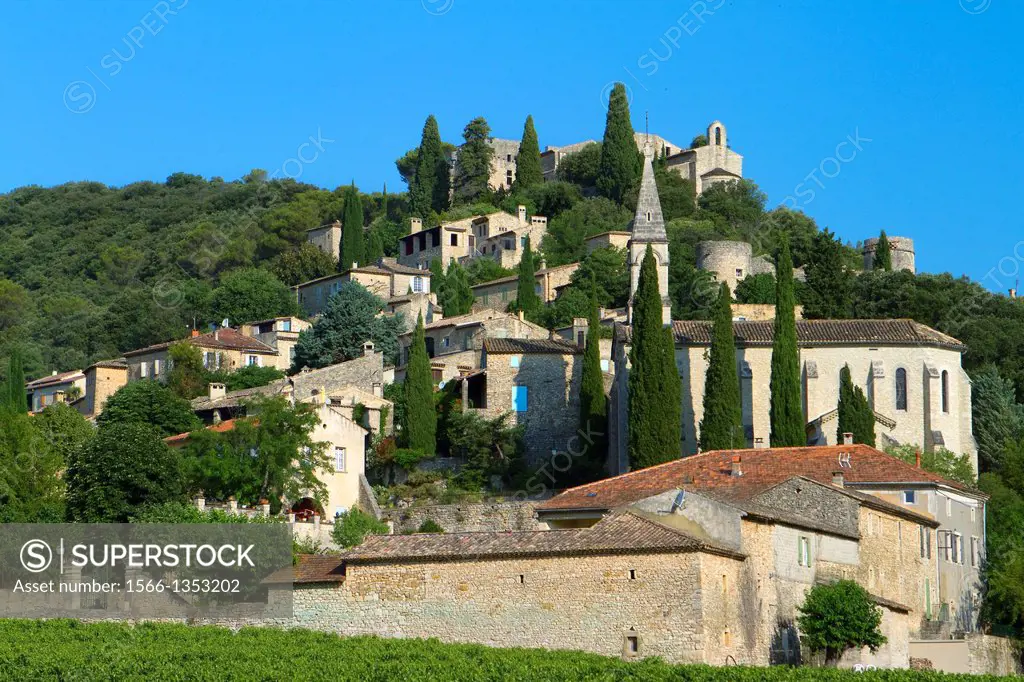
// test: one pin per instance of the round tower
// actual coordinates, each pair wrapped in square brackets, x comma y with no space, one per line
[730,261]
[901,248]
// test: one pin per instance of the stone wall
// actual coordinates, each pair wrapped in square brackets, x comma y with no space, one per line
[366,373]
[901,249]
[469,518]
[975,654]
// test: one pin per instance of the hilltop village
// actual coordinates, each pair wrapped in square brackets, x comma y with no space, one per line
[588,397]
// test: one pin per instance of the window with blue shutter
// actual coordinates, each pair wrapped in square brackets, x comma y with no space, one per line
[519,398]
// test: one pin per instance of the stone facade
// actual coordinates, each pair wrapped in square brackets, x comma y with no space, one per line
[731,262]
[503,163]
[478,517]
[327,238]
[713,163]
[281,334]
[901,250]
[386,280]
[498,235]
[222,349]
[102,380]
[616,239]
[499,292]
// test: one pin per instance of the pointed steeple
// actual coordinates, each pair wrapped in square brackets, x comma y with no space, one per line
[648,224]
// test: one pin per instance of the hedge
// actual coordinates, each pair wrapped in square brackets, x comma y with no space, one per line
[71,650]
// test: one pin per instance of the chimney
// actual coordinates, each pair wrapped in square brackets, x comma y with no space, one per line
[200,501]
[336,223]
[368,348]
[735,468]
[265,506]
[216,335]
[543,265]
[917,458]
[53,373]
[217,391]
[415,225]
[195,333]
[580,329]
[759,443]
[522,213]
[232,504]
[847,438]
[837,479]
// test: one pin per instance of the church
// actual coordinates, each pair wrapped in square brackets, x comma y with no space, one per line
[912,374]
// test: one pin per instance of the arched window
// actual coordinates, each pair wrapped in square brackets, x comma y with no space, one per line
[901,389]
[718,136]
[945,391]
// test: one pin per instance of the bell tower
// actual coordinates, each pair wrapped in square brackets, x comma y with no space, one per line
[648,228]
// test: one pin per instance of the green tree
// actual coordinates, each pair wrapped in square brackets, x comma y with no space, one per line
[786,414]
[351,317]
[838,617]
[722,425]
[829,292]
[756,289]
[997,417]
[430,187]
[700,140]
[941,461]
[302,264]
[187,378]
[252,294]
[527,299]
[883,254]
[374,246]
[484,270]
[32,455]
[430,526]
[676,194]
[528,172]
[473,168]
[352,526]
[581,167]
[124,467]
[593,432]
[150,403]
[654,386]
[14,395]
[565,240]
[353,246]
[456,295]
[855,414]
[420,415]
[621,161]
[250,376]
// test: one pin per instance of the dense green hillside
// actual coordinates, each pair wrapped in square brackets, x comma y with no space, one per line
[52,650]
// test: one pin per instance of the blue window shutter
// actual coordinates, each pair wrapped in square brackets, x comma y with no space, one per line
[519,398]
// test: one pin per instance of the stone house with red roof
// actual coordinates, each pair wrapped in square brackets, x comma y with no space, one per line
[223,349]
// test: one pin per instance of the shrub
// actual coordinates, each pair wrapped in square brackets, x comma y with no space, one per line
[352,526]
[838,617]
[430,526]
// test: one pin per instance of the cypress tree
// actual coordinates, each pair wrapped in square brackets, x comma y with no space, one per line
[458,294]
[722,425]
[527,299]
[420,415]
[14,395]
[787,418]
[528,172]
[429,190]
[593,431]
[621,162]
[855,414]
[654,385]
[829,284]
[883,254]
[353,248]
[374,246]
[384,202]
[473,170]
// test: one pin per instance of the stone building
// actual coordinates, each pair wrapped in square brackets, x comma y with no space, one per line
[498,235]
[498,293]
[617,239]
[731,262]
[901,251]
[102,380]
[63,387]
[710,164]
[503,163]
[648,230]
[327,238]
[386,279]
[222,349]
[281,334]
[552,156]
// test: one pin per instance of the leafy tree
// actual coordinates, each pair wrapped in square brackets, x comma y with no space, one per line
[938,461]
[456,295]
[829,293]
[251,294]
[565,240]
[700,140]
[838,617]
[485,270]
[429,189]
[421,418]
[473,168]
[374,245]
[756,289]
[654,386]
[150,403]
[64,429]
[528,172]
[621,161]
[883,254]
[735,208]
[126,466]
[677,194]
[187,378]
[855,414]
[722,425]
[604,274]
[351,317]
[786,413]
[527,299]
[593,432]
[14,304]
[353,245]
[489,447]
[351,527]
[271,454]
[302,264]
[549,199]
[997,417]
[14,395]
[32,455]
[250,376]
[581,167]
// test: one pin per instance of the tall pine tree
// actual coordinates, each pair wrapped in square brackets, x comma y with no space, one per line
[722,425]
[655,419]
[527,299]
[621,162]
[829,292]
[593,431]
[374,246]
[420,415]
[855,414]
[353,248]
[528,172]
[430,184]
[456,297]
[473,169]
[13,395]
[787,418]
[883,254]
[384,202]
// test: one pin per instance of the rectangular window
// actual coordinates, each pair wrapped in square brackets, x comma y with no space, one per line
[632,645]
[520,398]
[522,242]
[156,368]
[286,325]
[514,361]
[445,341]
[958,549]
[604,365]
[945,543]
[928,598]
[339,459]
[739,273]
[417,284]
[143,369]
[210,360]
[804,548]
[908,497]
[975,554]
[253,361]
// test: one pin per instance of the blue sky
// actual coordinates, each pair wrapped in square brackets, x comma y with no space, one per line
[123,91]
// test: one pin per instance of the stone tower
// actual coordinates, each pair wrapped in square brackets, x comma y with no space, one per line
[900,248]
[648,227]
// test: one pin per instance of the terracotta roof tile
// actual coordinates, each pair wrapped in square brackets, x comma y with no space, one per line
[311,568]
[55,379]
[528,346]
[223,339]
[182,438]
[623,532]
[762,468]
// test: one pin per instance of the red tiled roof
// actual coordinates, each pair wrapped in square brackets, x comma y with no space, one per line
[312,568]
[761,469]
[55,379]
[622,532]
[815,333]
[531,346]
[225,338]
[182,438]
